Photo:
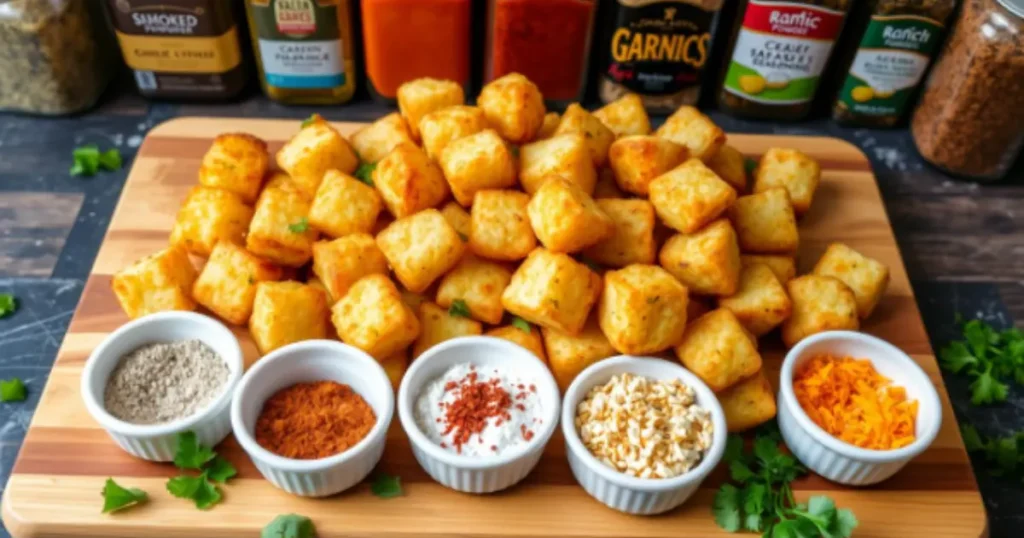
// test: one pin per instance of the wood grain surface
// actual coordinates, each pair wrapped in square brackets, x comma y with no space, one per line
[55,484]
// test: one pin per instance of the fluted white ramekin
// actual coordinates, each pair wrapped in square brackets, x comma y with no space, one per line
[158,442]
[477,474]
[837,460]
[640,496]
[314,360]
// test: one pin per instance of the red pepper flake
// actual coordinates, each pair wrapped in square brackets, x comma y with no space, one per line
[520,386]
[494,448]
[499,422]
[444,445]
[527,434]
[533,388]
[475,403]
[521,407]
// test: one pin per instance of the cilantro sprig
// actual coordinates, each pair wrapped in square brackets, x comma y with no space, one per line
[8,304]
[521,324]
[459,309]
[991,358]
[386,486]
[201,489]
[117,497]
[12,390]
[289,526]
[88,159]
[300,226]
[365,173]
[761,497]
[1004,455]
[749,165]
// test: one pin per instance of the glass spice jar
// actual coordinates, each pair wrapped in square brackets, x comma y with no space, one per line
[52,61]
[970,119]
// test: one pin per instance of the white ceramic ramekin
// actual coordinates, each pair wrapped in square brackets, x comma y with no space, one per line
[158,442]
[471,474]
[837,460]
[640,496]
[314,360]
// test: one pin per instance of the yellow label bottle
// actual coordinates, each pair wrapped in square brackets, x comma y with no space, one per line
[304,50]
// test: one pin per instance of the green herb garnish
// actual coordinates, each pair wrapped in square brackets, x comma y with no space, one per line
[201,489]
[365,173]
[761,500]
[990,357]
[299,227]
[289,526]
[8,304]
[87,160]
[750,165]
[458,309]
[12,390]
[386,486]
[117,498]
[521,324]
[309,121]
[1004,455]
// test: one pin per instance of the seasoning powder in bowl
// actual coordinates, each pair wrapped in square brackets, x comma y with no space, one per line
[644,427]
[478,412]
[309,421]
[165,381]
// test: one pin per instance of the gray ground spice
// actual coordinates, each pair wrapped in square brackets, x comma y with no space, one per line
[164,381]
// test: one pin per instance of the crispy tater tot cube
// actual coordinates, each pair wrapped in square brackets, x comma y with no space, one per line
[547,129]
[552,290]
[730,165]
[749,403]
[792,170]
[528,337]
[689,127]
[161,281]
[606,186]
[287,312]
[690,196]
[477,162]
[760,302]
[459,219]
[783,266]
[419,97]
[866,277]
[636,160]
[707,261]
[820,303]
[280,229]
[479,283]
[395,366]
[765,223]
[625,116]
[343,261]
[570,354]
[438,325]
[236,162]
[373,317]
[408,181]
[377,139]
[444,126]
[227,284]
[500,225]
[314,150]
[344,205]
[632,237]
[564,155]
[207,216]
[565,218]
[513,106]
[420,248]
[718,349]
[577,120]
[642,309]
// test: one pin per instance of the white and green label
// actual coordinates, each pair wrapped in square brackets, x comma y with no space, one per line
[890,62]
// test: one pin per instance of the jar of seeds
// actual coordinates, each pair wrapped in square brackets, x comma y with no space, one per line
[50,57]
[970,120]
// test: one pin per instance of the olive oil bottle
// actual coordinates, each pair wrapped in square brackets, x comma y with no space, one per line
[304,50]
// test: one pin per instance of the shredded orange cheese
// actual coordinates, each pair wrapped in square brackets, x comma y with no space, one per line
[850,400]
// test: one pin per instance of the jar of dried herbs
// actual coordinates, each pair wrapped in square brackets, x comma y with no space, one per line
[50,57]
[880,77]
[970,120]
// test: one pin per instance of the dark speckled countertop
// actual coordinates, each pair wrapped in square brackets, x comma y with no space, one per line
[963,244]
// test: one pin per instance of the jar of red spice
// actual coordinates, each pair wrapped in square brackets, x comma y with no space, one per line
[408,39]
[546,40]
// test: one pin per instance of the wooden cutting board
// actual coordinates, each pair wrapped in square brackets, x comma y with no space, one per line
[55,486]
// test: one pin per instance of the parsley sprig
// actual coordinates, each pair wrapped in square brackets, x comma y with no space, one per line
[289,526]
[459,309]
[201,489]
[8,304]
[116,497]
[989,357]
[87,160]
[1004,455]
[386,486]
[521,324]
[761,500]
[365,173]
[12,390]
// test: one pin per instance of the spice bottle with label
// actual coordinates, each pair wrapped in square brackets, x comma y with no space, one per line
[181,49]
[779,53]
[304,50]
[897,42]
[657,49]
